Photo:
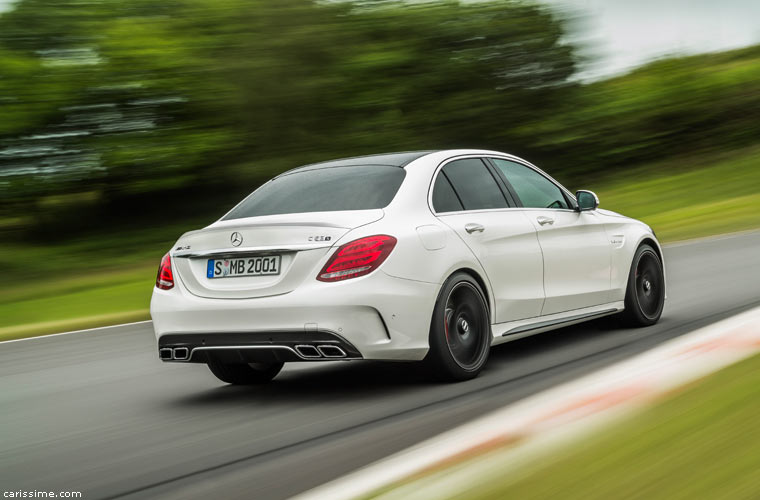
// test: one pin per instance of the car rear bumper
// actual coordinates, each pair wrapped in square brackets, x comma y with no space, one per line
[374,317]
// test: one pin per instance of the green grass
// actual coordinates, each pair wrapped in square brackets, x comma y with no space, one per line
[86,301]
[83,283]
[691,197]
[703,442]
[108,279]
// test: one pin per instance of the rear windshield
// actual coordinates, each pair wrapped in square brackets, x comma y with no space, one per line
[323,190]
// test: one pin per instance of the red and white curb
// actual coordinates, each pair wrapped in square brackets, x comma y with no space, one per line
[558,415]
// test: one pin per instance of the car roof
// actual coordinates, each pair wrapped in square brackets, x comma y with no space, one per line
[400,160]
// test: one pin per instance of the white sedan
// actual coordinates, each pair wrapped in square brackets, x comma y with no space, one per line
[427,256]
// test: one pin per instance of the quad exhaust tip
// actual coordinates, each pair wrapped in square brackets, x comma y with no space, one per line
[181,353]
[308,351]
[320,351]
[176,353]
[331,351]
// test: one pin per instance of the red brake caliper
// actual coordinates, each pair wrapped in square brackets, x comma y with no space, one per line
[446,317]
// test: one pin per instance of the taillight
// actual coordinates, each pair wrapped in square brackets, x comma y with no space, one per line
[357,258]
[165,278]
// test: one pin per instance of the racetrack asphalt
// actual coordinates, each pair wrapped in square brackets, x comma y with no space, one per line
[97,412]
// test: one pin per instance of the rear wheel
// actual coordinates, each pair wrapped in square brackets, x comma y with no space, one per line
[244,374]
[645,294]
[460,333]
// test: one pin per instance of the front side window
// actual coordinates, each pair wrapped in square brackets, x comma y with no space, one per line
[473,184]
[323,190]
[533,189]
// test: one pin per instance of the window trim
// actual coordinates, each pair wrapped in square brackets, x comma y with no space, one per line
[487,164]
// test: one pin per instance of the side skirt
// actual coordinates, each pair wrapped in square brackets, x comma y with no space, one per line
[513,330]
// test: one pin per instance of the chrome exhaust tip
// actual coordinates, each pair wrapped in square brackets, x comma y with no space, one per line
[331,351]
[164,353]
[308,351]
[181,353]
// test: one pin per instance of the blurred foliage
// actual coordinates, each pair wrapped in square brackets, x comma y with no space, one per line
[124,106]
[671,108]
[110,112]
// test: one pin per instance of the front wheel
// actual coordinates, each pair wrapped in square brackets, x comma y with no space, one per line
[645,294]
[244,374]
[460,332]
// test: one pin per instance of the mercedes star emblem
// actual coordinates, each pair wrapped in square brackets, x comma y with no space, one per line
[236,239]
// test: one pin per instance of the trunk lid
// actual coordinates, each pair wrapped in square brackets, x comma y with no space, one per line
[301,241]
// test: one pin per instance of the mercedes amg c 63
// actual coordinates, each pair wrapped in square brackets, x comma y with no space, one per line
[429,256]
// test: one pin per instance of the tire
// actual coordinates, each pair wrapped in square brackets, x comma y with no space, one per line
[244,374]
[460,330]
[645,293]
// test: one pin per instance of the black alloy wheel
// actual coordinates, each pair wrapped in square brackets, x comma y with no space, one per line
[460,332]
[645,295]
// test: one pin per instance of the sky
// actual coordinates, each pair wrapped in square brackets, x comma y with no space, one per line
[622,34]
[619,35]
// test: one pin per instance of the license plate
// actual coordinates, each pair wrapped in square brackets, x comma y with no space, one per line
[243,266]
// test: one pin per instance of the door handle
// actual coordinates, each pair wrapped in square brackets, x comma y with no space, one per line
[474,228]
[545,220]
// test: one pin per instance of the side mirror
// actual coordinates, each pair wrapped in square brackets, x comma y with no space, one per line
[587,200]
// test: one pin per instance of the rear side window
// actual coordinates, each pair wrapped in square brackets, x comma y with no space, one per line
[329,189]
[444,197]
[533,189]
[474,185]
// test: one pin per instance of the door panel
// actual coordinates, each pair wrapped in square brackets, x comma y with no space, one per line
[505,243]
[575,246]
[577,256]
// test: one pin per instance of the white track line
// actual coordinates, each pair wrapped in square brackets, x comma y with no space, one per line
[556,416]
[77,331]
[708,239]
